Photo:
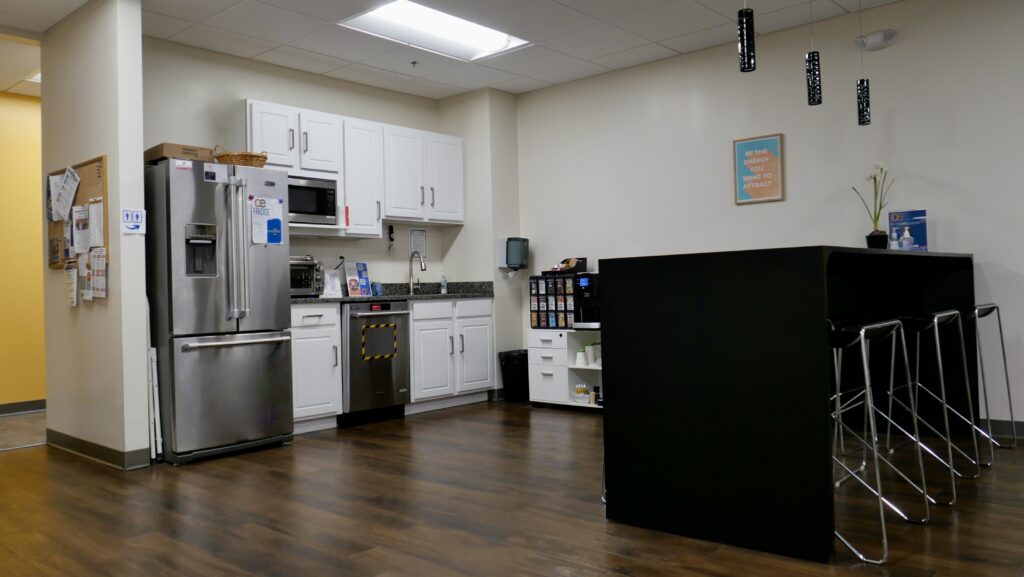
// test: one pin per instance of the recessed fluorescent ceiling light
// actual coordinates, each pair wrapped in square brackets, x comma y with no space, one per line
[417,25]
[37,77]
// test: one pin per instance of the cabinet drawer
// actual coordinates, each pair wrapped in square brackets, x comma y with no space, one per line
[548,357]
[314,315]
[549,384]
[473,308]
[547,340]
[426,310]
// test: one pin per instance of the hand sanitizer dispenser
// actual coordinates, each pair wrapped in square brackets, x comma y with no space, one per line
[512,253]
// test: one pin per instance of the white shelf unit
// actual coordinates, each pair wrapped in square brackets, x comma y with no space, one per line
[552,369]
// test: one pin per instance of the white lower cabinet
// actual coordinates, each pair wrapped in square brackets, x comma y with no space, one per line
[553,371]
[453,348]
[316,361]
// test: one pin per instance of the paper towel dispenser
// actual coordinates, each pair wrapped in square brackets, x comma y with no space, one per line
[512,253]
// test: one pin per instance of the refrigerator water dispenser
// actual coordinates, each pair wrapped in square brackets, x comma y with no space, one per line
[200,249]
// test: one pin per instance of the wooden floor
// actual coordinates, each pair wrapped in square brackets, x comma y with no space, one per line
[22,430]
[489,489]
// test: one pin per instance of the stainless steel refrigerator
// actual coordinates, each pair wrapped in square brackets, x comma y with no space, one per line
[218,288]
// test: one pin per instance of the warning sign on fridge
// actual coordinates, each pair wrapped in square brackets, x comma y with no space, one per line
[267,220]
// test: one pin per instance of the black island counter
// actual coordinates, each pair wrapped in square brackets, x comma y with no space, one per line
[717,418]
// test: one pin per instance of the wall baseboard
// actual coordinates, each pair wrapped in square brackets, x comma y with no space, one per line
[23,407]
[1002,429]
[118,459]
[445,403]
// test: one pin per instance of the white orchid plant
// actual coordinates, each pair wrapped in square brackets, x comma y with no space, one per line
[881,184]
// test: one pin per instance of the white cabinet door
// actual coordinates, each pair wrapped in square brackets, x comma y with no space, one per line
[274,129]
[364,176]
[316,372]
[320,141]
[476,354]
[404,182]
[445,188]
[434,360]
[549,384]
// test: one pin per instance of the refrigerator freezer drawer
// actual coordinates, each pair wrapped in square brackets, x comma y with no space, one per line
[229,390]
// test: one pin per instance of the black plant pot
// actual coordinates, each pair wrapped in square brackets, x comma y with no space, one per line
[878,239]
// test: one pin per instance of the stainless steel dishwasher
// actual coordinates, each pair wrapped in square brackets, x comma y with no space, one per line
[376,355]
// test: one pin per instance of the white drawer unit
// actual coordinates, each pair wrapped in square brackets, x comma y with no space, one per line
[547,339]
[314,315]
[552,366]
[549,384]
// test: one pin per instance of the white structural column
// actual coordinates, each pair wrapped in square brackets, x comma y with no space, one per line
[96,353]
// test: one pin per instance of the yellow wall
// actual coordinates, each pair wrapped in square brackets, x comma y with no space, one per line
[21,283]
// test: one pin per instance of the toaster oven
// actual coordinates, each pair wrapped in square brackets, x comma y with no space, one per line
[307,276]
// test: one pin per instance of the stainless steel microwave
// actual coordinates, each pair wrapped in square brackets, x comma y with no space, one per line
[312,201]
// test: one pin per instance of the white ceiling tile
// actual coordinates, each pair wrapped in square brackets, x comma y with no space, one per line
[540,20]
[851,5]
[635,56]
[330,10]
[302,59]
[401,60]
[161,26]
[521,85]
[671,20]
[608,10]
[345,43]
[362,74]
[261,20]
[594,42]
[528,61]
[191,10]
[474,10]
[702,39]
[472,76]
[26,88]
[223,41]
[574,71]
[36,15]
[729,8]
[426,88]
[795,16]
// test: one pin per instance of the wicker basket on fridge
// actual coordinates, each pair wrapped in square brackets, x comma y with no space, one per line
[257,159]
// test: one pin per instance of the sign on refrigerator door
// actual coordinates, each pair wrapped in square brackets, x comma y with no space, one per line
[267,221]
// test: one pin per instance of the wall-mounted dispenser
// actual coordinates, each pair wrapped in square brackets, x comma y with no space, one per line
[512,253]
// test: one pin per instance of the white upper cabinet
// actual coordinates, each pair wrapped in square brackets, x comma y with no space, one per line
[364,176]
[320,141]
[404,178]
[444,175]
[422,176]
[274,128]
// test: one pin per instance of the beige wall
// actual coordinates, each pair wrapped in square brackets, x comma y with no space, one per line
[639,161]
[92,106]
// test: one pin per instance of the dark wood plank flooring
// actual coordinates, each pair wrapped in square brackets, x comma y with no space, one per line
[22,430]
[490,489]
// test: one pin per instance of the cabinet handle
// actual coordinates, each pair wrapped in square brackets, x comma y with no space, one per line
[462,343]
[291,139]
[335,355]
[378,211]
[305,141]
[543,340]
[423,197]
[549,357]
[451,342]
[547,373]
[433,197]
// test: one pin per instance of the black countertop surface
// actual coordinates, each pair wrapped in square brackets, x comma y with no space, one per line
[395,292]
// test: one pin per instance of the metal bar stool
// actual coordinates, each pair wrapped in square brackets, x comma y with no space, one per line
[980,312]
[933,322]
[854,336]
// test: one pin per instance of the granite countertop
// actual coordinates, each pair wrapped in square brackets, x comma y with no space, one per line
[427,291]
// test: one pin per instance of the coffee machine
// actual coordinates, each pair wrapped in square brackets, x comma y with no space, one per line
[587,305]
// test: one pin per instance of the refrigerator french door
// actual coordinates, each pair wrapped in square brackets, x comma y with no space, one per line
[218,287]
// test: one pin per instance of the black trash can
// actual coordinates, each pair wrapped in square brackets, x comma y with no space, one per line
[515,379]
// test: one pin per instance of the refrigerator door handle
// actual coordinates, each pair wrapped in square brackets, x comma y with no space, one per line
[195,346]
[243,247]
[232,276]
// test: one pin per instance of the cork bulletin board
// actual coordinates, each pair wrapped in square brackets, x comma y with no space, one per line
[92,189]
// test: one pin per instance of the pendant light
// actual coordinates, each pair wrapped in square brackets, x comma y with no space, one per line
[812,65]
[863,85]
[745,25]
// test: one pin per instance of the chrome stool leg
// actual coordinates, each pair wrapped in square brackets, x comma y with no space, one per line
[981,311]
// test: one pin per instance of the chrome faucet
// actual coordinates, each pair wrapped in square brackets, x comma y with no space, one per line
[423,266]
